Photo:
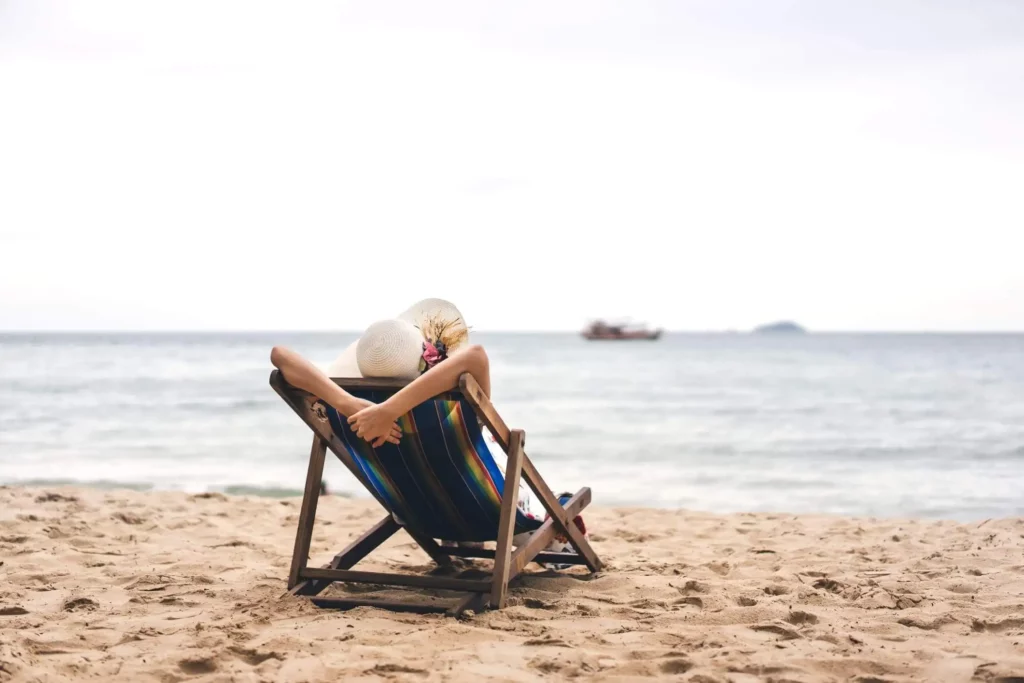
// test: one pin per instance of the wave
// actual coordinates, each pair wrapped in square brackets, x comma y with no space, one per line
[231,490]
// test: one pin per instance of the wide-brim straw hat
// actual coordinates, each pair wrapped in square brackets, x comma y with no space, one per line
[345,365]
[436,320]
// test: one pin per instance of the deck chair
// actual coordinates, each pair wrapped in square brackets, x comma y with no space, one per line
[439,483]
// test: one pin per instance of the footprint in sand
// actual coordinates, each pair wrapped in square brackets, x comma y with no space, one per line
[676,666]
[197,665]
[720,568]
[546,665]
[799,618]
[828,585]
[12,611]
[693,600]
[13,539]
[80,604]
[692,587]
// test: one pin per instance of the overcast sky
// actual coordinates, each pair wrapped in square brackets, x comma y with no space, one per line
[696,164]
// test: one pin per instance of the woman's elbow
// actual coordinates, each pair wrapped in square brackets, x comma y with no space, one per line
[278,355]
[476,356]
[475,362]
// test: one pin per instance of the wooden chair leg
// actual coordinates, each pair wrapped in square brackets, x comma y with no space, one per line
[507,521]
[307,513]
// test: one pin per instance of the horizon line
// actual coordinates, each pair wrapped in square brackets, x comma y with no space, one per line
[727,331]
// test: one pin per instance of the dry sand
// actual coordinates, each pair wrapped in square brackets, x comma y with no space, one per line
[167,587]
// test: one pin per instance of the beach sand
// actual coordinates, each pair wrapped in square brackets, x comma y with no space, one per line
[122,585]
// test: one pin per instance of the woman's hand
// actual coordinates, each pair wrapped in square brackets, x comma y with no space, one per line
[374,424]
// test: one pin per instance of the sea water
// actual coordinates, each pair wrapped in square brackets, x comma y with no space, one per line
[861,424]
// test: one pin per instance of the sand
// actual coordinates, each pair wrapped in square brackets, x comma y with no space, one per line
[122,585]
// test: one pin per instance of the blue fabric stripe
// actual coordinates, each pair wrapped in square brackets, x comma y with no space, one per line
[450,505]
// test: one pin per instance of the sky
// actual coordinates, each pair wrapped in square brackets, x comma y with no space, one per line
[693,164]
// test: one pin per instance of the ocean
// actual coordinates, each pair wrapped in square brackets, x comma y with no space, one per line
[884,425]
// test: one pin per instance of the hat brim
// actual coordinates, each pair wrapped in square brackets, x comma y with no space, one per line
[345,364]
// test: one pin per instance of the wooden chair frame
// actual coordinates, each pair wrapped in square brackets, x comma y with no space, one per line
[477,594]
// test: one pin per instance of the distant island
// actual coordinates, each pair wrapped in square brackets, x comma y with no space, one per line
[783,327]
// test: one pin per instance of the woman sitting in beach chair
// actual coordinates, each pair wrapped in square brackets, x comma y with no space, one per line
[427,344]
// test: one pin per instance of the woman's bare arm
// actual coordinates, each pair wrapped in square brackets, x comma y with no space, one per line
[371,421]
[300,373]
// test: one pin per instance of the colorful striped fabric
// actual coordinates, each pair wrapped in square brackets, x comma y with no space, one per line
[441,479]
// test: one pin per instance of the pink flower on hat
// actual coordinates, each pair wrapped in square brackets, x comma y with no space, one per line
[433,354]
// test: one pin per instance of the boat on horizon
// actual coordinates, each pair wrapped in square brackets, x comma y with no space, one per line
[601,330]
